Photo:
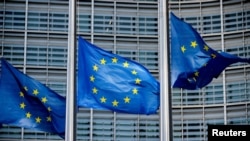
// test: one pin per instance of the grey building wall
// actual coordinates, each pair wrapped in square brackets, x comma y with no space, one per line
[34,39]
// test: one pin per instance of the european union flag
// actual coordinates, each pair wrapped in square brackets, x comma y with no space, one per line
[111,82]
[28,103]
[193,63]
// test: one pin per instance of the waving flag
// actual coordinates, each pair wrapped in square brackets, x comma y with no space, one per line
[28,103]
[193,63]
[111,82]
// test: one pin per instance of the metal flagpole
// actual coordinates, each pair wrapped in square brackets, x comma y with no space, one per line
[165,92]
[70,129]
[25,52]
[223,73]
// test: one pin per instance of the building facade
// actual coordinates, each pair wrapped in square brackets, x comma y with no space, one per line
[34,39]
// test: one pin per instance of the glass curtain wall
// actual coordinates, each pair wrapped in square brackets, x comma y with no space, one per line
[34,39]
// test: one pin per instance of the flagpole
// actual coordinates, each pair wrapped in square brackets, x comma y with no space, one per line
[223,73]
[165,90]
[25,52]
[70,129]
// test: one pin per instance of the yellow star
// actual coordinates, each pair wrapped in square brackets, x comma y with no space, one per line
[95,68]
[103,99]
[183,49]
[134,72]
[28,115]
[196,74]
[22,105]
[25,88]
[94,90]
[194,44]
[125,64]
[114,60]
[21,94]
[49,119]
[206,48]
[38,120]
[49,109]
[213,56]
[137,81]
[35,92]
[44,100]
[115,103]
[92,78]
[126,99]
[135,91]
[103,61]
[194,78]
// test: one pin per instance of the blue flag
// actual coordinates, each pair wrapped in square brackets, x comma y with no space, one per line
[193,63]
[111,82]
[27,103]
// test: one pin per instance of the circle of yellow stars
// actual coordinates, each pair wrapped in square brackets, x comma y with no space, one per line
[194,44]
[125,65]
[28,114]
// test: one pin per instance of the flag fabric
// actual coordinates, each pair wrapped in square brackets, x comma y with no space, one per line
[28,103]
[111,82]
[193,63]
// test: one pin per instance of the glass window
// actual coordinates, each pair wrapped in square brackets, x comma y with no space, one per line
[1,19]
[84,23]
[211,24]
[125,25]
[103,24]
[13,47]
[14,20]
[37,21]
[234,21]
[58,22]
[214,94]
[148,26]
